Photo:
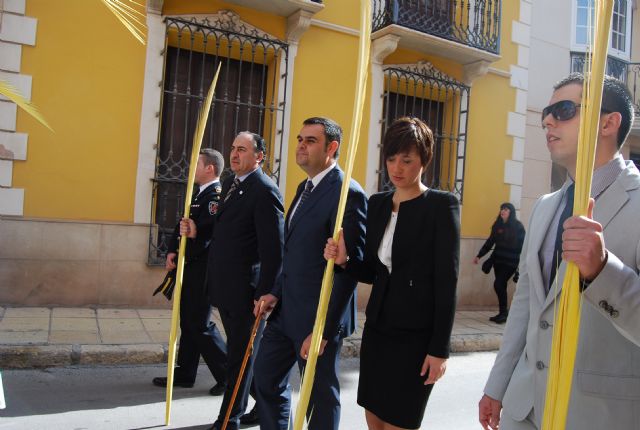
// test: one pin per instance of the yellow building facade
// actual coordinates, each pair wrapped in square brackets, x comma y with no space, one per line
[85,210]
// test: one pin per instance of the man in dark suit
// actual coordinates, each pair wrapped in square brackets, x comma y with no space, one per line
[244,259]
[286,340]
[199,336]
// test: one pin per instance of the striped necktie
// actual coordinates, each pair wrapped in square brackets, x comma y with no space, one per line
[305,194]
[232,188]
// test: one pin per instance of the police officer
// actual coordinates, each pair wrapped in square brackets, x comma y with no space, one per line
[199,335]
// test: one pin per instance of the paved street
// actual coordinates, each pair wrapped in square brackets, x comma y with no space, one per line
[111,398]
[50,337]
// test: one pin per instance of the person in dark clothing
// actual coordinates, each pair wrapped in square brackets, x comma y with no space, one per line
[411,254]
[507,235]
[199,335]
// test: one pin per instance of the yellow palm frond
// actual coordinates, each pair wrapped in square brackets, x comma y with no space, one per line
[12,93]
[131,14]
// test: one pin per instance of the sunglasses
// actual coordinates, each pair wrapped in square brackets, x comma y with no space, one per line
[564,110]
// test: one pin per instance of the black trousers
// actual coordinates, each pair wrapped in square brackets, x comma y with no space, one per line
[503,274]
[199,336]
[237,325]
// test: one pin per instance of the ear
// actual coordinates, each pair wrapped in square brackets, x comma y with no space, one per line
[610,124]
[260,156]
[332,148]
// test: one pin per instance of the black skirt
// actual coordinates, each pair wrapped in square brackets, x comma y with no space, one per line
[390,384]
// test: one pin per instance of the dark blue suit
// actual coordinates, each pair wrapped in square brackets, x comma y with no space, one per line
[298,288]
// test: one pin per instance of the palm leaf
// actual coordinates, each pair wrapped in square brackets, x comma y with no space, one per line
[12,93]
[131,14]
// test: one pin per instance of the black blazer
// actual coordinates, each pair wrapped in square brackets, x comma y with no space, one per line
[299,284]
[202,211]
[246,248]
[419,296]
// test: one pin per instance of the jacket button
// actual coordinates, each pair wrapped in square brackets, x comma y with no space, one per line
[614,314]
[544,325]
[603,304]
[539,365]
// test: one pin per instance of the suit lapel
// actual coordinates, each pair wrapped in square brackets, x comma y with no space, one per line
[607,206]
[378,229]
[240,191]
[609,203]
[293,202]
[325,185]
[539,228]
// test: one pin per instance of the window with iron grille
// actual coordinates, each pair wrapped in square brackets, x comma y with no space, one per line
[423,92]
[252,74]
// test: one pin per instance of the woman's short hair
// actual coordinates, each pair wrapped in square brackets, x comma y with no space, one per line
[407,133]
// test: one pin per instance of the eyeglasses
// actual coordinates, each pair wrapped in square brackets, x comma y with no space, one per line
[564,110]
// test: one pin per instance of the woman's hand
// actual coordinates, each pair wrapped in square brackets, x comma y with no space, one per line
[337,251]
[436,368]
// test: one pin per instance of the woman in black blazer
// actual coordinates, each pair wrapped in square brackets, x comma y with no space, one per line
[411,257]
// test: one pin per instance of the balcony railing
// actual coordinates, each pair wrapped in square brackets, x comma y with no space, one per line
[633,83]
[628,73]
[474,23]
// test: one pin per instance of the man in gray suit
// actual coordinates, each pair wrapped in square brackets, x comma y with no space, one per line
[605,246]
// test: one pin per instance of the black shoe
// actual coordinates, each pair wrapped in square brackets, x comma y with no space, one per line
[218,389]
[162,382]
[250,418]
[501,319]
[495,317]
[218,425]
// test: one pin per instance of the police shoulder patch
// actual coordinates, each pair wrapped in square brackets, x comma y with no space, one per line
[213,207]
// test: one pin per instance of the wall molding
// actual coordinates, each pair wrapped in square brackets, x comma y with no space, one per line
[516,119]
[16,30]
[335,27]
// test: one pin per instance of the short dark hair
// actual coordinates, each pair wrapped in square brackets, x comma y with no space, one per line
[212,157]
[615,98]
[259,145]
[332,130]
[405,134]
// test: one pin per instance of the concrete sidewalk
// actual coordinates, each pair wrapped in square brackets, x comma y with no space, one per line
[46,337]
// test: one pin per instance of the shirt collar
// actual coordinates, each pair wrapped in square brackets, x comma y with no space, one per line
[204,186]
[605,175]
[245,176]
[320,176]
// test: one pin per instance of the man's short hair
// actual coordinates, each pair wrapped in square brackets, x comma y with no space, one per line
[259,145]
[615,98]
[212,157]
[332,130]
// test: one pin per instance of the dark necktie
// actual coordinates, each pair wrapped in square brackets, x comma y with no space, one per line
[557,252]
[305,194]
[232,188]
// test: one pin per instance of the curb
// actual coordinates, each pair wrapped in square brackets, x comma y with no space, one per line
[41,356]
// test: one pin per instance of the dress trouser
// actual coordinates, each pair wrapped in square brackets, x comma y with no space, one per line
[237,325]
[199,336]
[277,356]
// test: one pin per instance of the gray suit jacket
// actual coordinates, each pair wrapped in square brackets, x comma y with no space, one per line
[606,381]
